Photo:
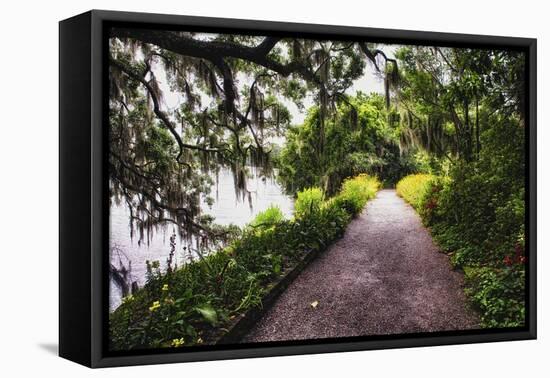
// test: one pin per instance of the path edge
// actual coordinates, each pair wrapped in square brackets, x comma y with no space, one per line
[243,323]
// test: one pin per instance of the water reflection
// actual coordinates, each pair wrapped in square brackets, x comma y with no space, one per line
[227,209]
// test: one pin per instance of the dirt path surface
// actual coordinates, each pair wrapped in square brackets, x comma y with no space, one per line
[385,276]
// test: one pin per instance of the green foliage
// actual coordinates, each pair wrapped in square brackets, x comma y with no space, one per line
[193,304]
[208,313]
[356,192]
[480,211]
[413,188]
[308,201]
[447,93]
[498,293]
[477,214]
[269,217]
[358,139]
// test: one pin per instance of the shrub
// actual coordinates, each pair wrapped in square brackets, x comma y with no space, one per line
[269,217]
[356,192]
[412,188]
[477,214]
[307,201]
[479,220]
[498,293]
[434,194]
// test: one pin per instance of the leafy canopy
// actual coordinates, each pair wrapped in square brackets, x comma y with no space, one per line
[232,90]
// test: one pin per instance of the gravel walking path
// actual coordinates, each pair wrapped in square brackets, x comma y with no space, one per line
[385,276]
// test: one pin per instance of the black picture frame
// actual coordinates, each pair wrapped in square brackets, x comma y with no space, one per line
[83,228]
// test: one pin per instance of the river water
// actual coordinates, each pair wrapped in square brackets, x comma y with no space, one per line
[227,209]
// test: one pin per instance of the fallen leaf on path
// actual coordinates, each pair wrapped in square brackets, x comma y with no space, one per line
[314,304]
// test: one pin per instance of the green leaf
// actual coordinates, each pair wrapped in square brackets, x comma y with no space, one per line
[208,313]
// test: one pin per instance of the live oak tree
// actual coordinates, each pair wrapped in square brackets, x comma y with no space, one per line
[361,136]
[446,96]
[233,90]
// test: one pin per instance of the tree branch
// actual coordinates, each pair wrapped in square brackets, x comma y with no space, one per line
[158,112]
[215,50]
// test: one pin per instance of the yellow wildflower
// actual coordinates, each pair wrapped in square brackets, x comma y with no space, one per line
[154,306]
[178,342]
[165,287]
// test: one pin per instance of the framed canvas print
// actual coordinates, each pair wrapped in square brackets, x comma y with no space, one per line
[233,188]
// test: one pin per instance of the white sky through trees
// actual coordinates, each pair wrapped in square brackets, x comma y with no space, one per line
[371,81]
